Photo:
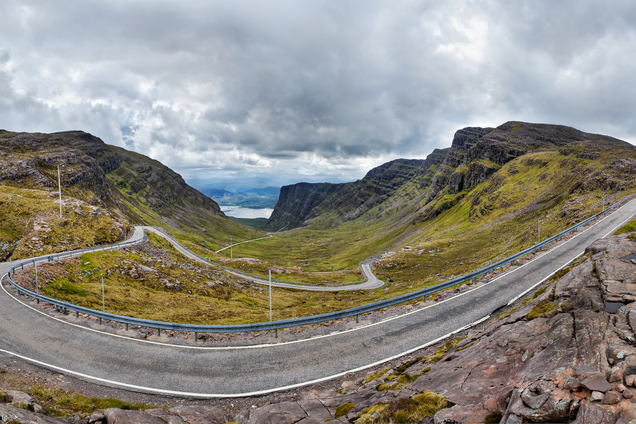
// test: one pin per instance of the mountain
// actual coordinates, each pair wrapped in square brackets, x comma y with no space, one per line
[256,198]
[127,188]
[475,155]
[216,192]
[493,192]
[301,202]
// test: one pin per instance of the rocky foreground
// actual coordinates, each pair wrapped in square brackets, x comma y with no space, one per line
[567,353]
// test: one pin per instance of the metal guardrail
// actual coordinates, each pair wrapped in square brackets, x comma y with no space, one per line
[314,319]
[258,276]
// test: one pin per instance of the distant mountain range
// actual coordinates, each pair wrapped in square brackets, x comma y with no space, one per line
[256,198]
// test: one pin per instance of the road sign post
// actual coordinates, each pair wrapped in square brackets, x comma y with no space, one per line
[59,185]
[103,299]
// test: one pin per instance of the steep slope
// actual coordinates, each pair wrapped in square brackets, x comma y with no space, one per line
[474,156]
[339,203]
[98,181]
[494,192]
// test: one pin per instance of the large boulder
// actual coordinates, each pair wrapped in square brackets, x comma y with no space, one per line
[201,414]
[120,416]
[278,413]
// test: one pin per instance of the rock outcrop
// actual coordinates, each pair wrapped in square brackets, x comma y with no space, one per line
[301,202]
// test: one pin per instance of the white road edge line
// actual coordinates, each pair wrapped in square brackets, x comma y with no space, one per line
[549,276]
[262,392]
[233,395]
[361,327]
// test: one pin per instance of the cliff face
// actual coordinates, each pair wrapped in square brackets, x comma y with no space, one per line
[440,181]
[303,201]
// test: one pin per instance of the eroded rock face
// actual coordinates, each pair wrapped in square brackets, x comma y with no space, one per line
[10,413]
[544,370]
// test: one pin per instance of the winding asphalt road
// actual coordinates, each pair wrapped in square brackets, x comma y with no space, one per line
[232,371]
[371,281]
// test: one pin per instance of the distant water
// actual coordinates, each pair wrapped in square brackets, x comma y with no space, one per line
[239,212]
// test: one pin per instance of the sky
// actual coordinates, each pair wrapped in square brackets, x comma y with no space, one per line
[276,92]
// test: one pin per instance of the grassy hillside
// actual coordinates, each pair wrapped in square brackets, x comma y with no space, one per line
[465,207]
[483,203]
[105,191]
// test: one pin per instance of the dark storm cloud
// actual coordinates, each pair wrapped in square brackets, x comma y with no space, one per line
[313,87]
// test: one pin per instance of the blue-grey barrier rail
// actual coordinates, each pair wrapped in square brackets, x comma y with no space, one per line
[314,319]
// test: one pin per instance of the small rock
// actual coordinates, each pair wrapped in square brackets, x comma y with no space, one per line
[17,396]
[612,398]
[491,405]
[620,388]
[629,380]
[96,417]
[628,412]
[596,382]
[593,413]
[119,416]
[571,383]
[534,400]
[513,419]
[596,396]
[627,394]
[348,385]
[616,374]
[610,361]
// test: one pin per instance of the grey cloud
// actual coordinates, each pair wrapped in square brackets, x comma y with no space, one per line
[250,86]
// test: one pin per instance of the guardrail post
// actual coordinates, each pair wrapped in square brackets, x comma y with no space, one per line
[357,318]
[76,314]
[196,336]
[126,326]
[100,321]
[158,332]
[276,332]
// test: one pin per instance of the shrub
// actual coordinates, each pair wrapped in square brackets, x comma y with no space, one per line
[543,309]
[344,408]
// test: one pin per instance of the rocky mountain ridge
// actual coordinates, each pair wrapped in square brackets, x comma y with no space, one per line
[475,155]
[299,203]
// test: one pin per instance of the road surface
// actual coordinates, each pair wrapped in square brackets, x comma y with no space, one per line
[239,371]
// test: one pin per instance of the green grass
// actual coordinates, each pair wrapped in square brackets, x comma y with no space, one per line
[230,301]
[30,222]
[630,227]
[61,402]
[257,223]
[343,409]
[406,410]
[543,309]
